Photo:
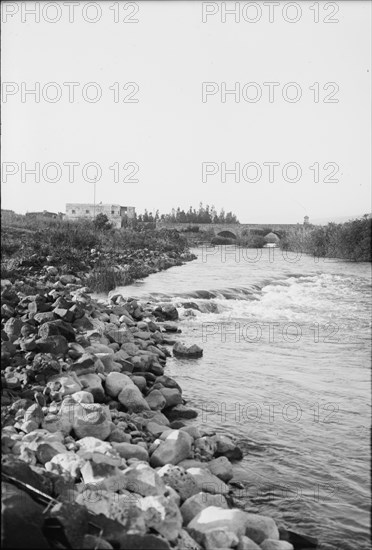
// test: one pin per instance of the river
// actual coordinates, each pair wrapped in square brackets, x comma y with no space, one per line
[286,370]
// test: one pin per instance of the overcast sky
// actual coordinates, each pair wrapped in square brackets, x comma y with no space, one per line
[170,132]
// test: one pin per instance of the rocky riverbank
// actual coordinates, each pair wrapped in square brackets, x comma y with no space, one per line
[98,448]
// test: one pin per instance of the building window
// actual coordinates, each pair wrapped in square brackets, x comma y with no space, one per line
[112,211]
[73,212]
[125,208]
[87,211]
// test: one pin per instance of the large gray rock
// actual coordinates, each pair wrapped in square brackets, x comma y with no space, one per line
[91,448]
[156,400]
[132,399]
[179,479]
[162,515]
[115,382]
[259,528]
[127,451]
[196,503]
[93,384]
[188,352]
[176,447]
[172,396]
[142,479]
[207,482]
[90,420]
[217,527]
[222,468]
[226,447]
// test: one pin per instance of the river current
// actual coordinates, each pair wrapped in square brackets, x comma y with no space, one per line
[286,370]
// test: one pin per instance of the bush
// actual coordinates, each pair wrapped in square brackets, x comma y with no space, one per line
[101,222]
[349,241]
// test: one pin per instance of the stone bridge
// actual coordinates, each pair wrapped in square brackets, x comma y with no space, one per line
[235,230]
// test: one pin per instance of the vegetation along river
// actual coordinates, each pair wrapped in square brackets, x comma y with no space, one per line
[286,370]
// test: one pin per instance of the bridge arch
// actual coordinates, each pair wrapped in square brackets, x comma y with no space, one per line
[227,234]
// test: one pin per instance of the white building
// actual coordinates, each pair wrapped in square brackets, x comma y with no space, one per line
[115,213]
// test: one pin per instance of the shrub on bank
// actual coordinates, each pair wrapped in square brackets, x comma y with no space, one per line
[87,247]
[348,241]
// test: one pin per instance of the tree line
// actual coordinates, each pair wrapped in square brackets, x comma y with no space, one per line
[204,214]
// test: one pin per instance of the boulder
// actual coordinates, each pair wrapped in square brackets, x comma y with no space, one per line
[67,462]
[207,482]
[196,503]
[226,447]
[91,448]
[188,352]
[56,345]
[259,528]
[172,396]
[156,400]
[169,312]
[131,398]
[222,468]
[64,384]
[162,515]
[83,397]
[142,479]
[55,328]
[179,479]
[102,476]
[90,420]
[176,447]
[127,451]
[115,382]
[180,411]
[92,383]
[216,527]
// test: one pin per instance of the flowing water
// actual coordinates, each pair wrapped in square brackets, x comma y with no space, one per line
[286,370]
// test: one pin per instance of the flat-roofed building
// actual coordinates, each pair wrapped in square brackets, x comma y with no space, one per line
[115,213]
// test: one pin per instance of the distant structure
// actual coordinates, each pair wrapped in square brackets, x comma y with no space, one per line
[43,214]
[7,215]
[306,220]
[116,214]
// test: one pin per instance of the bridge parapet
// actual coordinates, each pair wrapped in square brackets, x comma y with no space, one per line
[237,229]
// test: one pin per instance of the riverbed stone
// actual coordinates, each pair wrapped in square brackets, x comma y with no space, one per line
[115,382]
[188,352]
[222,468]
[176,447]
[92,383]
[127,451]
[142,479]
[172,396]
[260,527]
[91,420]
[162,515]
[132,399]
[91,448]
[216,527]
[197,502]
[179,479]
[156,400]
[207,482]
[226,447]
